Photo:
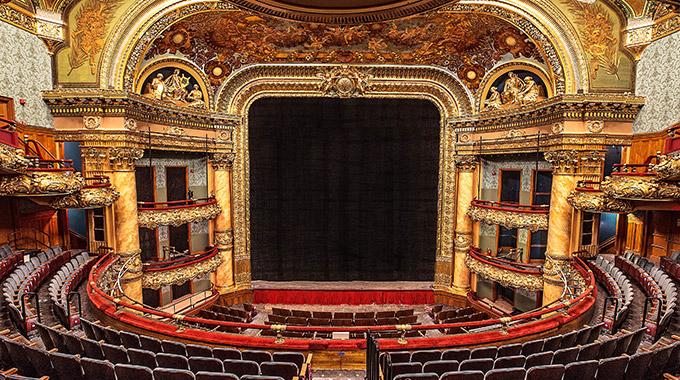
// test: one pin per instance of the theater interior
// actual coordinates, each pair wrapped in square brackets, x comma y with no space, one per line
[357,189]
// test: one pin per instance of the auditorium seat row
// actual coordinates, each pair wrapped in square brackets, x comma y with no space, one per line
[245,315]
[64,282]
[9,259]
[303,321]
[342,315]
[444,316]
[618,286]
[26,278]
[656,284]
[671,265]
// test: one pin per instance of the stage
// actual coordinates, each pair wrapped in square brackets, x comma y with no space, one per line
[343,292]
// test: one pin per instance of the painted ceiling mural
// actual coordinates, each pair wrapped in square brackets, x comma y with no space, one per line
[467,44]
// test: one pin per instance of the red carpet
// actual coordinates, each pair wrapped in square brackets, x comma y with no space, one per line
[343,297]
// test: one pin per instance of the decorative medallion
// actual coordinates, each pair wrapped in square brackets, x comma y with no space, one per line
[557,128]
[130,124]
[176,131]
[344,81]
[150,218]
[595,126]
[92,122]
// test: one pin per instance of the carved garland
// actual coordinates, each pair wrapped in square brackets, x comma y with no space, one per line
[505,277]
[12,159]
[157,279]
[41,183]
[598,202]
[177,217]
[87,198]
[509,219]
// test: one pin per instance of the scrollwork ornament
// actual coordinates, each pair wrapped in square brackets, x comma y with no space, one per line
[668,167]
[344,81]
[225,238]
[509,219]
[639,188]
[130,124]
[178,276]
[598,202]
[41,183]
[505,277]
[557,128]
[92,122]
[87,198]
[176,217]
[13,159]
[466,163]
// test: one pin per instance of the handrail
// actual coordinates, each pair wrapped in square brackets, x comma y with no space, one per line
[12,238]
[176,204]
[650,300]
[616,312]
[23,305]
[97,181]
[526,317]
[37,145]
[489,308]
[68,306]
[499,263]
[511,207]
[160,266]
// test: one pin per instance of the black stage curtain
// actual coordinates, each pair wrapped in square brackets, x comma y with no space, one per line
[343,189]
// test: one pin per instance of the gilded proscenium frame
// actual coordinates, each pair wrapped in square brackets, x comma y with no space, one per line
[410,82]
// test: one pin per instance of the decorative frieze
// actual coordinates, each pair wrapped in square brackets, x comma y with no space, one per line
[509,218]
[598,202]
[169,216]
[639,188]
[222,161]
[87,198]
[563,161]
[178,276]
[506,277]
[37,183]
[466,163]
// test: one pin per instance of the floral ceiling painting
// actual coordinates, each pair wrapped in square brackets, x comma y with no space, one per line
[467,44]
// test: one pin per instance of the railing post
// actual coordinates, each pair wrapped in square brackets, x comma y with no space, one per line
[68,308]
[616,312]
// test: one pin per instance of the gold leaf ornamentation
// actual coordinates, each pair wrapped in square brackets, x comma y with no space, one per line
[12,159]
[87,198]
[639,188]
[177,217]
[87,38]
[598,202]
[178,276]
[41,183]
[505,277]
[508,219]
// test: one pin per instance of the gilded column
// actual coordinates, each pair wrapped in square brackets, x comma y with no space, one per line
[122,161]
[466,167]
[223,278]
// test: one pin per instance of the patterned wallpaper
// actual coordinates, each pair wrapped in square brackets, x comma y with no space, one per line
[25,70]
[658,79]
[525,162]
[195,165]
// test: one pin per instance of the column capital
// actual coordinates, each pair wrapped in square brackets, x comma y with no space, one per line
[466,163]
[123,159]
[222,161]
[572,161]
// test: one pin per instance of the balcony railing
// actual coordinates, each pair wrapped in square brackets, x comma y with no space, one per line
[177,213]
[509,215]
[96,193]
[588,197]
[507,273]
[43,177]
[179,271]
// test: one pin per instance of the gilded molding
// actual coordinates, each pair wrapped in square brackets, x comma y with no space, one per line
[87,198]
[509,219]
[178,276]
[344,81]
[668,167]
[639,188]
[467,163]
[222,161]
[92,122]
[178,216]
[123,159]
[598,202]
[12,160]
[225,238]
[38,183]
[505,277]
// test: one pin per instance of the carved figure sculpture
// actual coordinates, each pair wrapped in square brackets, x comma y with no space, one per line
[195,98]
[530,92]
[494,101]
[175,86]
[158,87]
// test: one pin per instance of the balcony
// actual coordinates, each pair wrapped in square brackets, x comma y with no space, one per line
[181,270]
[96,193]
[12,160]
[43,178]
[507,273]
[589,197]
[639,182]
[177,213]
[509,215]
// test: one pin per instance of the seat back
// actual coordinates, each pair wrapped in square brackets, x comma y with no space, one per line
[612,368]
[130,371]
[66,367]
[241,367]
[506,374]
[257,356]
[199,350]
[538,359]
[483,365]
[95,369]
[401,368]
[144,358]
[509,350]
[172,374]
[150,343]
[418,376]
[115,354]
[296,358]
[172,347]
[197,364]
[424,356]
[215,376]
[285,370]
[638,365]
[226,353]
[581,370]
[532,347]
[463,375]
[545,372]
[509,362]
[440,367]
[565,356]
[172,361]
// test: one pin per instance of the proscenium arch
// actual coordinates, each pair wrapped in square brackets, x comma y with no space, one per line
[148,18]
[440,87]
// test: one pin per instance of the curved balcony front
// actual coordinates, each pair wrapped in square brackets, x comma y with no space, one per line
[12,160]
[638,182]
[44,178]
[668,167]
[96,193]
[507,273]
[181,270]
[589,197]
[177,213]
[509,215]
